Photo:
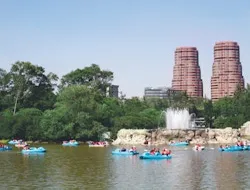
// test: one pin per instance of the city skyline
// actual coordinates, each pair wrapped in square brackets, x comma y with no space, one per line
[135,39]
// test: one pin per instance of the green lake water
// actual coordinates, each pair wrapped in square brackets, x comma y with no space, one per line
[95,168]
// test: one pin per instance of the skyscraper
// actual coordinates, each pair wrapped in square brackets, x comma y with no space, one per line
[187,74]
[227,70]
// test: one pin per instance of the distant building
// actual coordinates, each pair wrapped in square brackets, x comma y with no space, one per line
[227,70]
[160,92]
[113,91]
[186,72]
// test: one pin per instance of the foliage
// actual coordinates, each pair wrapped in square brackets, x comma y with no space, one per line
[27,86]
[91,76]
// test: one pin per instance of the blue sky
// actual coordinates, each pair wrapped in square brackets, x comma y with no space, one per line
[135,39]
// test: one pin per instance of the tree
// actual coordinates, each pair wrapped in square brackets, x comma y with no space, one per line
[208,113]
[30,87]
[27,124]
[5,99]
[91,76]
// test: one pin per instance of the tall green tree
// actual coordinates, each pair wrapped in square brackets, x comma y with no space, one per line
[30,86]
[91,76]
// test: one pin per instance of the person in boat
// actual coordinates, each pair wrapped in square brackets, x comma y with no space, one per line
[123,149]
[165,151]
[152,151]
[157,151]
[168,152]
[26,147]
[197,146]
[133,149]
[241,143]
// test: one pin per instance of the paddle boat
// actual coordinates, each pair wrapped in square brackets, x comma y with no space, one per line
[156,156]
[70,143]
[124,151]
[32,150]
[21,144]
[233,148]
[184,143]
[198,148]
[15,141]
[5,147]
[98,144]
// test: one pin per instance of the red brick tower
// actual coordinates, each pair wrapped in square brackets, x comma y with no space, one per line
[227,70]
[187,74]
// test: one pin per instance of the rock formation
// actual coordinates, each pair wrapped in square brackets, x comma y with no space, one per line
[201,136]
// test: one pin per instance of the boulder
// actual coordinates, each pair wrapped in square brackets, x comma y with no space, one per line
[190,135]
[198,132]
[198,140]
[182,134]
[245,129]
[211,134]
[128,136]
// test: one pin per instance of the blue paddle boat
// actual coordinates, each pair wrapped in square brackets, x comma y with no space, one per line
[70,143]
[126,152]
[184,143]
[233,148]
[5,147]
[13,142]
[32,150]
[157,156]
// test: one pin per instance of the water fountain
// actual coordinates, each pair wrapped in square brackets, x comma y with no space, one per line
[178,119]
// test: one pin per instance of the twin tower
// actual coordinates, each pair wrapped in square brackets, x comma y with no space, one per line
[226,74]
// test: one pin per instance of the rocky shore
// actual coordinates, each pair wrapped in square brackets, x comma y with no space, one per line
[201,136]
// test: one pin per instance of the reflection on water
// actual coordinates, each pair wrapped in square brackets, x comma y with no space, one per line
[95,168]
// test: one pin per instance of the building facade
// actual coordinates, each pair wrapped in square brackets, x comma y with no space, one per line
[227,70]
[113,91]
[160,92]
[186,72]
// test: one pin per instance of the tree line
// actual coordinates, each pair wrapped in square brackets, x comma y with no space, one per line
[39,106]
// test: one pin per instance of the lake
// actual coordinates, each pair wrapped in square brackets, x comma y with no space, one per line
[95,168]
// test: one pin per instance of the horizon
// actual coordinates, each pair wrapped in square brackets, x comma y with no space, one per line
[135,40]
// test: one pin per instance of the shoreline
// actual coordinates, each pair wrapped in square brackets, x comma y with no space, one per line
[193,136]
